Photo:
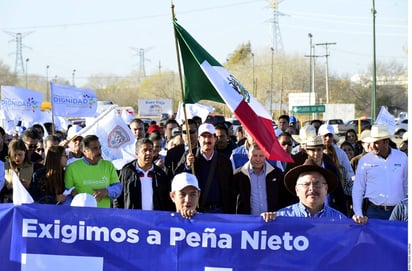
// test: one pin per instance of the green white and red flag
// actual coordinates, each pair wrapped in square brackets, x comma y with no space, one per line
[206,79]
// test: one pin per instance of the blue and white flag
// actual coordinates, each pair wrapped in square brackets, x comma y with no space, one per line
[20,103]
[68,101]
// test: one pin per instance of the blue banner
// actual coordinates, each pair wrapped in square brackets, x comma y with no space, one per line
[47,237]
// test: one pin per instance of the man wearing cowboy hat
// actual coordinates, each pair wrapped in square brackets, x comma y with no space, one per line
[311,184]
[381,179]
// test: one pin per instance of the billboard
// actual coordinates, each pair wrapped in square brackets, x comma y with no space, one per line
[154,107]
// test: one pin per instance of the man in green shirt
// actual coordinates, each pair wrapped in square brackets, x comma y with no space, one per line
[92,174]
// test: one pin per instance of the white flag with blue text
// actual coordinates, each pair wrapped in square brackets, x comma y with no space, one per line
[20,103]
[69,101]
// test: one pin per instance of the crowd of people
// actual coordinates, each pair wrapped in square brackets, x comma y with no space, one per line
[210,168]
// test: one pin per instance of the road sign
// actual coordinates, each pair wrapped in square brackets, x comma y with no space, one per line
[307,109]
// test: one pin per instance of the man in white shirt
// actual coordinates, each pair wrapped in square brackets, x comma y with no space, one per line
[381,179]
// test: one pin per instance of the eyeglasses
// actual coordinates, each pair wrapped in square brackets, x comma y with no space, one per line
[39,149]
[286,143]
[191,132]
[315,185]
[30,146]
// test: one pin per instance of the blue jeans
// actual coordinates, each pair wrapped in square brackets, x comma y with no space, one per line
[378,213]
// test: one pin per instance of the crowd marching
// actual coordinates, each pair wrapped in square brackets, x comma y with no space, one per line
[200,167]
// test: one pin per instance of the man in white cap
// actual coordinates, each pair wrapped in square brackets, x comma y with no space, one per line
[381,179]
[185,194]
[214,172]
[72,143]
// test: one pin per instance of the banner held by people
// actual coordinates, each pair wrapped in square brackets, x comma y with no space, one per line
[68,101]
[206,79]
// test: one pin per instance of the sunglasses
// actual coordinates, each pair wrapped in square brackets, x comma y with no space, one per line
[31,146]
[39,149]
[191,132]
[286,143]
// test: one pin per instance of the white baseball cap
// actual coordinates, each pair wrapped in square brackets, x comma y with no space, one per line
[84,200]
[206,128]
[72,133]
[183,180]
[325,129]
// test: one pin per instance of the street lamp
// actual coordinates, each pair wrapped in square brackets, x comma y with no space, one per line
[73,74]
[310,62]
[27,60]
[47,78]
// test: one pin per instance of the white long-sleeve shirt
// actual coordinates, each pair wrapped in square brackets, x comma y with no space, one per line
[383,181]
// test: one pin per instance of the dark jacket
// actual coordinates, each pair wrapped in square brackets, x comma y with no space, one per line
[131,196]
[276,194]
[39,190]
[222,180]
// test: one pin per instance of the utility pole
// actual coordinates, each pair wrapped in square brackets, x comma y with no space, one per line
[311,68]
[18,66]
[373,96]
[326,44]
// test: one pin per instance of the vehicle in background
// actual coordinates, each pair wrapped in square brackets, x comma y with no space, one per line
[235,123]
[338,126]
[215,118]
[401,127]
[354,124]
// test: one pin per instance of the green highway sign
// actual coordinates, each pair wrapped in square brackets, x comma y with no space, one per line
[306,109]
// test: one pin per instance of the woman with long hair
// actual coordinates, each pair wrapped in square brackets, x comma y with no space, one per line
[18,162]
[47,185]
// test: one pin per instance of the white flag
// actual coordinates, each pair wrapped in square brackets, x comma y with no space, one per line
[113,133]
[20,194]
[193,110]
[68,101]
[386,118]
[20,103]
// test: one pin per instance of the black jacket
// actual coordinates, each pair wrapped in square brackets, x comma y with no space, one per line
[276,194]
[131,197]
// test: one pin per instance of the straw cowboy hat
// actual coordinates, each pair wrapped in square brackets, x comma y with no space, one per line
[378,132]
[314,142]
[310,165]
[304,133]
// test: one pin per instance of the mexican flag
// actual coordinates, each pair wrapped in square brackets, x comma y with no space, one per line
[206,79]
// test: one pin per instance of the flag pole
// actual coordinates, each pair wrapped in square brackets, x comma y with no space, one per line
[181,85]
[52,111]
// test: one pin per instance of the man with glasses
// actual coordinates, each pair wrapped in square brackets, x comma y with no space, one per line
[311,183]
[176,157]
[30,138]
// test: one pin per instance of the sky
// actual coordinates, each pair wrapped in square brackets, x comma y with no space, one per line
[105,36]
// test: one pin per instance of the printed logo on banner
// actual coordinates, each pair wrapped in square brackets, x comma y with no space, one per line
[117,137]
